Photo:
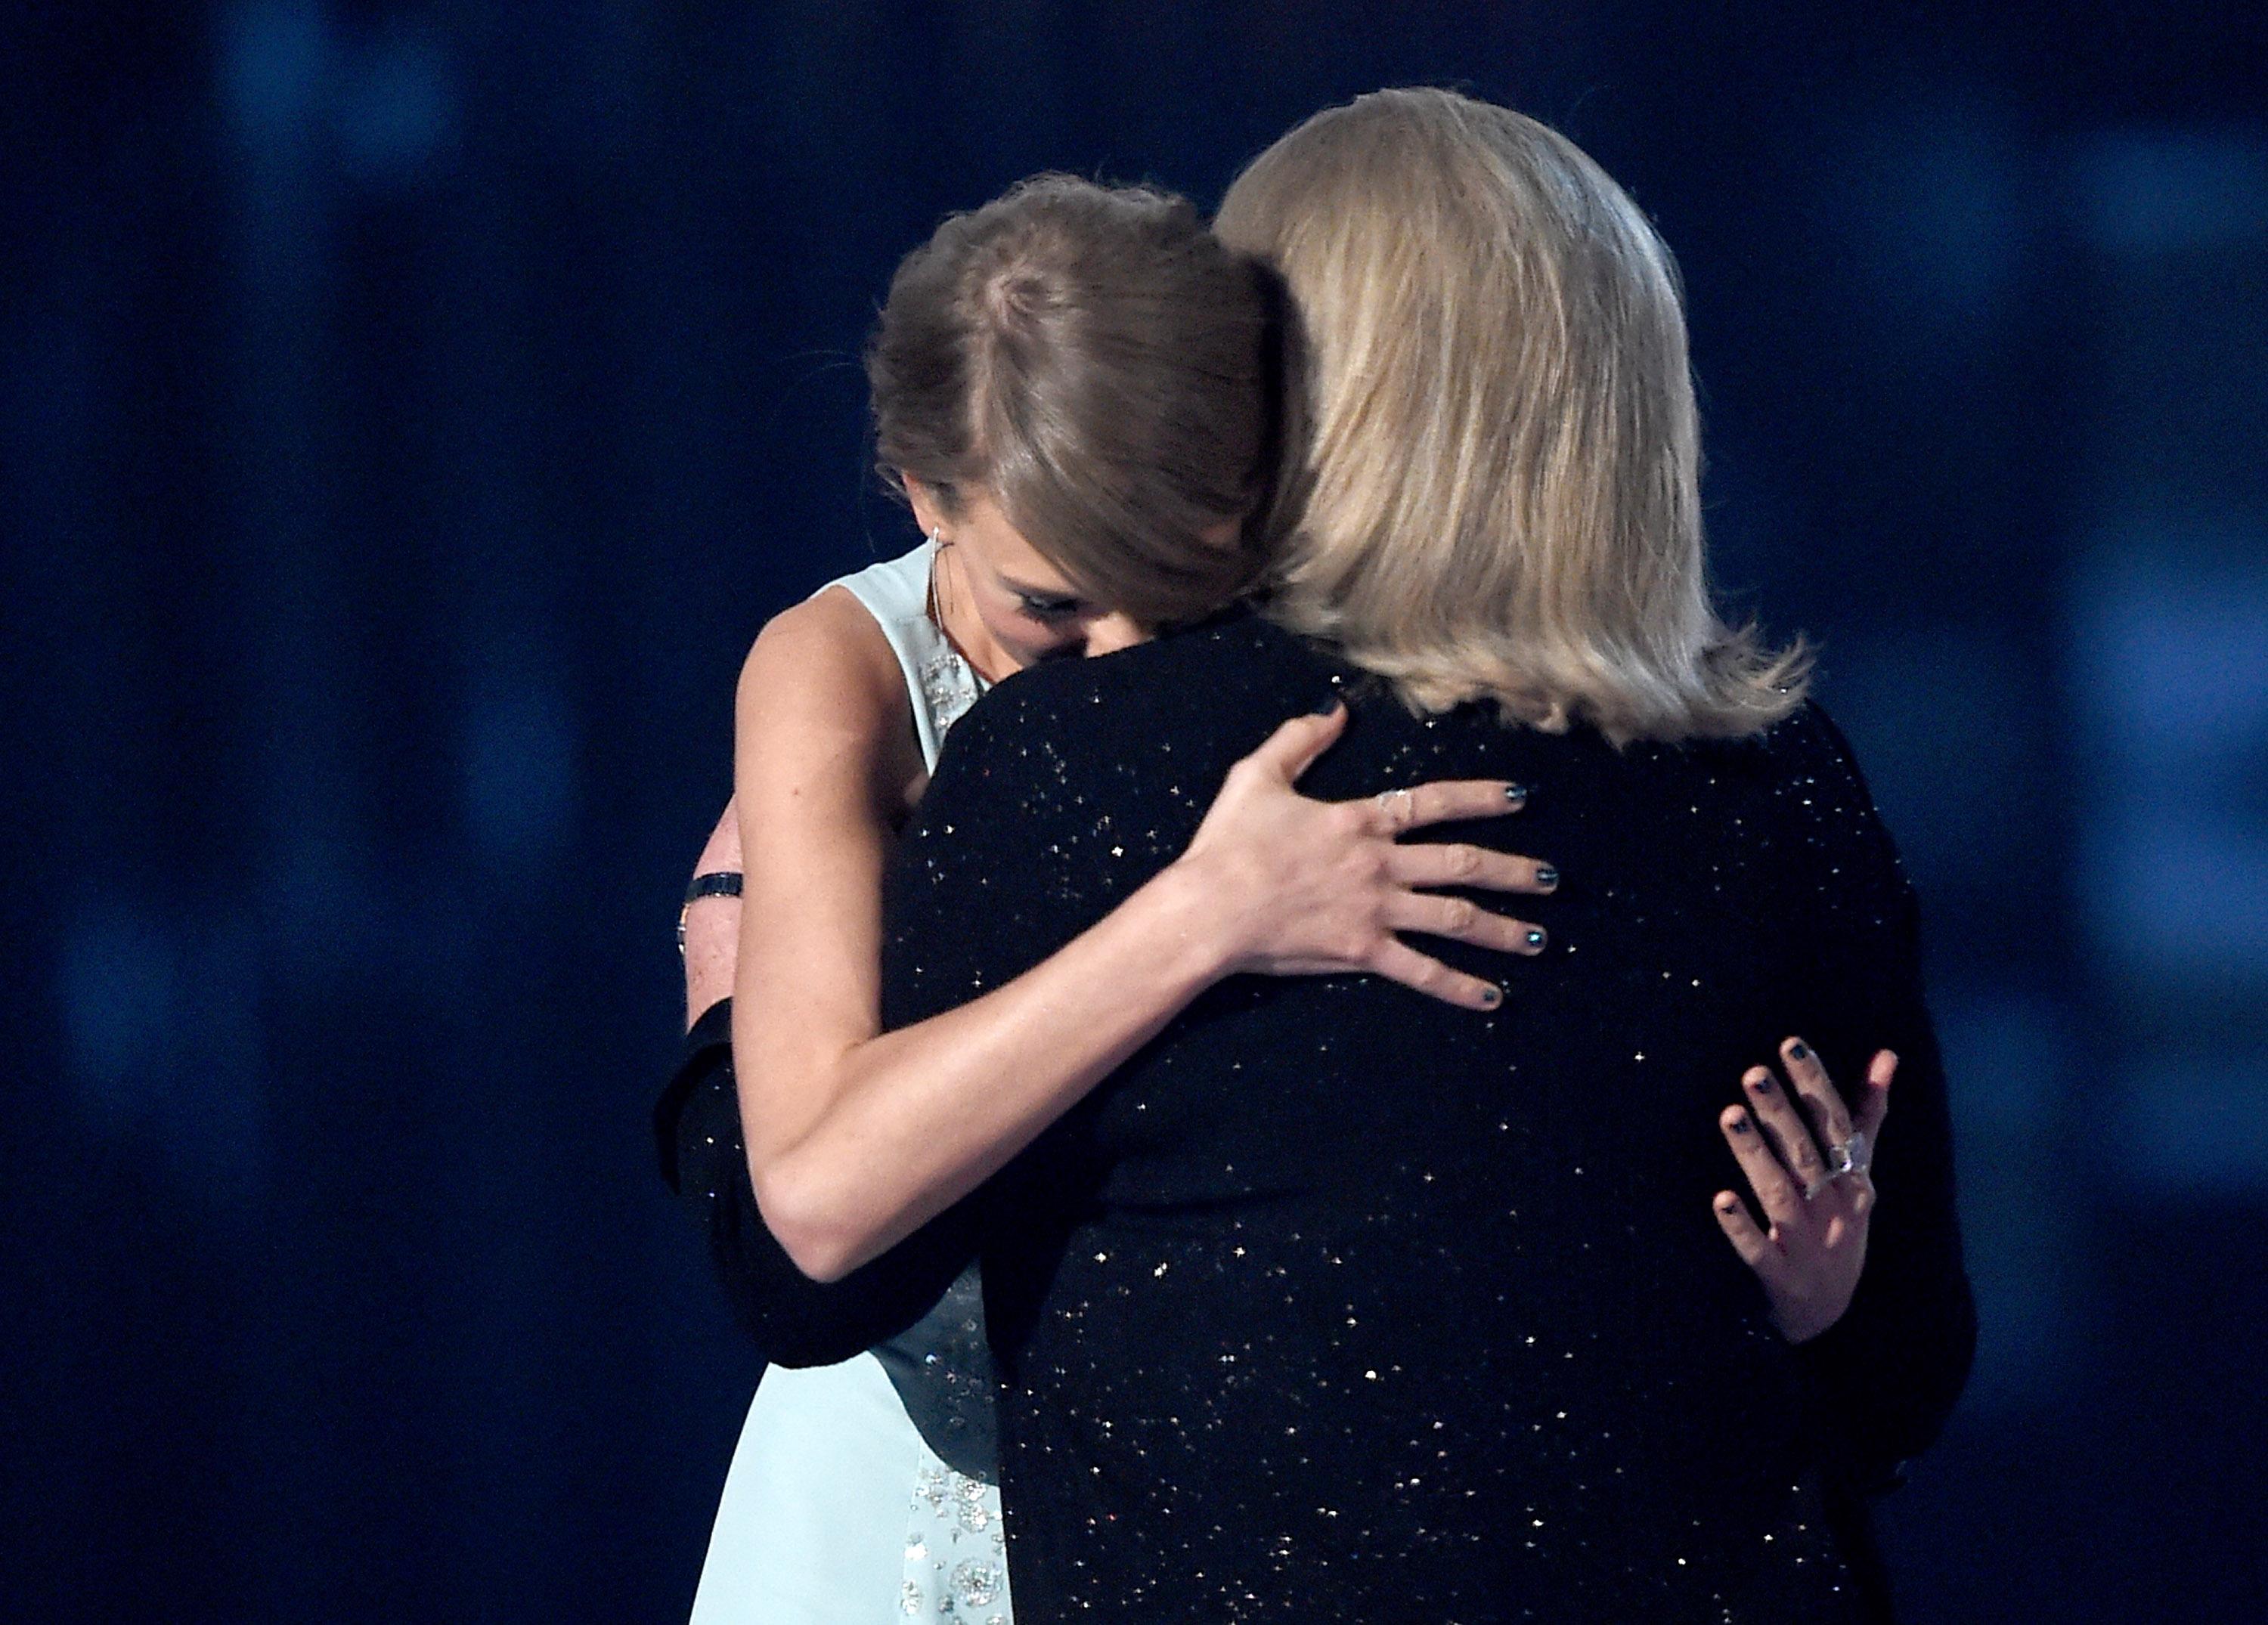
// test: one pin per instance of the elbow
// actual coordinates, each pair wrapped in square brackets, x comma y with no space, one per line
[807,1220]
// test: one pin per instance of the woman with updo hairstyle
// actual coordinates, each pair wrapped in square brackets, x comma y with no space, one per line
[1093,363]
[1076,390]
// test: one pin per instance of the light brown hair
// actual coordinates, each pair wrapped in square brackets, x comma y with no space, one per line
[1497,493]
[1095,358]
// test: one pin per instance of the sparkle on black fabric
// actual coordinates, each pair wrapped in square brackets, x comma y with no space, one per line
[1338,1303]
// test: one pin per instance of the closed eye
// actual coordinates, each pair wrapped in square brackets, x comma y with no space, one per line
[1048,608]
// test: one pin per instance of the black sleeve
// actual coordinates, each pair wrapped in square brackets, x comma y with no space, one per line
[969,927]
[687,1109]
[1885,1376]
[794,1320]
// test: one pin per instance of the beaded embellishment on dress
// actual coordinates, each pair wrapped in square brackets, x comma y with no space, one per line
[956,1554]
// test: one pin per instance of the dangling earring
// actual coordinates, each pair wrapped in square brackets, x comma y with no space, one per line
[936,605]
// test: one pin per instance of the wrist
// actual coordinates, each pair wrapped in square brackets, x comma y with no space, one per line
[711,951]
[1195,932]
[714,883]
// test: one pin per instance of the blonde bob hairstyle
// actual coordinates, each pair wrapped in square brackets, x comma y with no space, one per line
[1495,494]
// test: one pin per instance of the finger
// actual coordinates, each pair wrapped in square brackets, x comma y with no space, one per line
[1398,962]
[1875,1105]
[1431,863]
[1293,748]
[1776,1192]
[1807,1074]
[1755,1248]
[1462,921]
[1785,1127]
[1447,801]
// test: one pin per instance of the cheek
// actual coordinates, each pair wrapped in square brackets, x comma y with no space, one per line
[1042,642]
[1029,640]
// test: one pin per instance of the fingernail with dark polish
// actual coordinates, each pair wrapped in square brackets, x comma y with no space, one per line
[1762,1086]
[1491,997]
[1534,939]
[1325,706]
[1740,1125]
[1797,1052]
[1516,792]
[1546,875]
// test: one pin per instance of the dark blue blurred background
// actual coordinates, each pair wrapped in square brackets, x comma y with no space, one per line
[410,411]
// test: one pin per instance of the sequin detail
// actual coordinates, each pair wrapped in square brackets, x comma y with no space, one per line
[956,1550]
[1338,1306]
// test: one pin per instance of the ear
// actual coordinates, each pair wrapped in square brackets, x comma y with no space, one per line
[929,509]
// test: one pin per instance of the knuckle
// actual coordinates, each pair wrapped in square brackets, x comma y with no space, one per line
[1424,975]
[1459,915]
[1464,861]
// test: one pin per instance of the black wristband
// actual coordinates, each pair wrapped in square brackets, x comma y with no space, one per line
[716,883]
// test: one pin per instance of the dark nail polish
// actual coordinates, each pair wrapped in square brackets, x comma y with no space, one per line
[1516,792]
[1797,1052]
[1491,997]
[1325,706]
[1740,1125]
[1534,939]
[1763,1085]
[1546,875]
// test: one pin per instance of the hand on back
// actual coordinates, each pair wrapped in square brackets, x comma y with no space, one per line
[1808,1166]
[1308,887]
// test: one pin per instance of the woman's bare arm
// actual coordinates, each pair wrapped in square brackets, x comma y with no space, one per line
[711,940]
[855,1137]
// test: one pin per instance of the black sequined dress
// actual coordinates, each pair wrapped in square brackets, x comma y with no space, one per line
[1337,1304]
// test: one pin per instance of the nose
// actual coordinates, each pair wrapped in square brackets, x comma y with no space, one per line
[1109,634]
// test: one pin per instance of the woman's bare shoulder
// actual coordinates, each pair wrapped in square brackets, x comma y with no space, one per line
[826,651]
[822,690]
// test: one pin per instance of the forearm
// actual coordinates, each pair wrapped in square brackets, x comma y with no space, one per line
[709,956]
[1890,1371]
[794,1320]
[708,927]
[854,1149]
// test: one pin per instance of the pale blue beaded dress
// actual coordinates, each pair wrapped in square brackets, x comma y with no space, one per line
[838,1509]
